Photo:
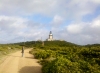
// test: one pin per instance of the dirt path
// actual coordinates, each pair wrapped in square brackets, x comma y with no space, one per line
[14,63]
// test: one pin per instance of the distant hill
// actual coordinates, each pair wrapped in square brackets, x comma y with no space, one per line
[47,43]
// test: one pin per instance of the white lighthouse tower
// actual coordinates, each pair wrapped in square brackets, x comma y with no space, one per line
[50,37]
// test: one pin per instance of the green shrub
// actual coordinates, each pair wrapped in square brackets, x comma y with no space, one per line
[64,57]
[60,65]
[42,54]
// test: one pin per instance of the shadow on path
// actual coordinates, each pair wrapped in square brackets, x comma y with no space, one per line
[30,69]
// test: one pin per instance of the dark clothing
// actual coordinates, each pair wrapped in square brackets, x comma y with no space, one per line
[22,50]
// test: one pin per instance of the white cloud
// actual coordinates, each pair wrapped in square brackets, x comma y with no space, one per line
[57,20]
[80,33]
[12,24]
[83,33]
[28,6]
[63,8]
[74,28]
[96,24]
[15,27]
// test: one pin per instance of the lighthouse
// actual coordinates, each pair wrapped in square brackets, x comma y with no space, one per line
[50,37]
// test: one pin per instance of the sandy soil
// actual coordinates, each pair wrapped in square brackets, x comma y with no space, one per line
[14,63]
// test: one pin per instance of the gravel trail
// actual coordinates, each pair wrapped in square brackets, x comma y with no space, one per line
[14,63]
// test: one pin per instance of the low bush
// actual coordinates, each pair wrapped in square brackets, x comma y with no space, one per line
[60,65]
[42,54]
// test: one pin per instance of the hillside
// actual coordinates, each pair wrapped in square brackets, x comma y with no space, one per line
[62,56]
[8,48]
[47,43]
[65,57]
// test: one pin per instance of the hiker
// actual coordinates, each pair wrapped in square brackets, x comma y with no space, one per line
[22,51]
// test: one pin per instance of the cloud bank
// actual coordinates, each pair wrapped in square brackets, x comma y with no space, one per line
[74,21]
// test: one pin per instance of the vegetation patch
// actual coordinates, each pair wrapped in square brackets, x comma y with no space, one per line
[65,57]
[8,48]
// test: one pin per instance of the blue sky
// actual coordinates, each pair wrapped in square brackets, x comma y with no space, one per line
[75,21]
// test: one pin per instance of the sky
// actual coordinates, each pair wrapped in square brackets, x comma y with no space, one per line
[76,21]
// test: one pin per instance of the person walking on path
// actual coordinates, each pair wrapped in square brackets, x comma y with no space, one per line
[22,51]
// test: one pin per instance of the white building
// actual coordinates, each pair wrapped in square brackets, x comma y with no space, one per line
[50,37]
